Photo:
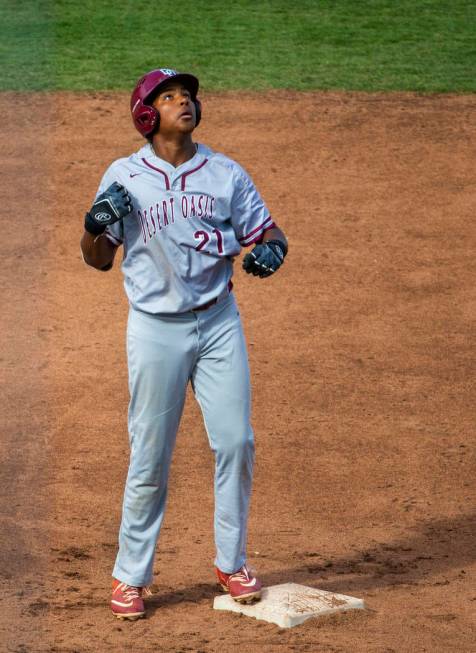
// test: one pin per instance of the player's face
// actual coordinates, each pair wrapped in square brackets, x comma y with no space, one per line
[176,108]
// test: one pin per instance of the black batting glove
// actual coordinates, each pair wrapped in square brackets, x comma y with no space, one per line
[109,207]
[265,259]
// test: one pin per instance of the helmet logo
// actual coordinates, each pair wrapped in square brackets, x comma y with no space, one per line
[168,71]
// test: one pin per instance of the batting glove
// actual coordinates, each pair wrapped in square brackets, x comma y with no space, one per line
[109,207]
[265,259]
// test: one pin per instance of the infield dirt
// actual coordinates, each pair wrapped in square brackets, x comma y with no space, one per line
[362,358]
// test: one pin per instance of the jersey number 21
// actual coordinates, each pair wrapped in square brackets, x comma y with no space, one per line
[204,238]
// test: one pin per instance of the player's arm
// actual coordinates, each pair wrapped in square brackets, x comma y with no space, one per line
[268,256]
[98,251]
[108,208]
[253,224]
[275,233]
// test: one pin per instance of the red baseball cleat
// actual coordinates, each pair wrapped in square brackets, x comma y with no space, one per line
[241,584]
[126,601]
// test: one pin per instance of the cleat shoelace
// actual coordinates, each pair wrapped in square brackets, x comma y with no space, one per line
[131,593]
[241,575]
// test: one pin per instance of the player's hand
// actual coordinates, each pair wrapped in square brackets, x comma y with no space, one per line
[109,207]
[265,259]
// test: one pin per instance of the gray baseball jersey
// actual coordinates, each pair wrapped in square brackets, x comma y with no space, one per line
[186,225]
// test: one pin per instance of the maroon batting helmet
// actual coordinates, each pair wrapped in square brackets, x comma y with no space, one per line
[144,115]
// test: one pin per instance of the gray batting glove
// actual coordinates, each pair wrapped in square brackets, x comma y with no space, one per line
[109,207]
[265,259]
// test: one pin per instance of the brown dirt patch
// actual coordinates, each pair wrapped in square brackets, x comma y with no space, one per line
[362,354]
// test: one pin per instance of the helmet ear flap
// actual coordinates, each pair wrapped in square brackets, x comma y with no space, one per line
[198,111]
[154,121]
[147,119]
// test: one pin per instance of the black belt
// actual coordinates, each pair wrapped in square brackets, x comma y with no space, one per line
[212,302]
[204,307]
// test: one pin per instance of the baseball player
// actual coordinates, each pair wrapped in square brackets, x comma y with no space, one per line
[182,213]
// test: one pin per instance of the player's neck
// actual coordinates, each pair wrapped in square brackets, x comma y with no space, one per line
[176,150]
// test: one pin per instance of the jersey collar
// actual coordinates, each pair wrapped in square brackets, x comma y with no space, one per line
[147,152]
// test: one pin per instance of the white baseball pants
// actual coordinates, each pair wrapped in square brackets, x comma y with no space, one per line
[164,354]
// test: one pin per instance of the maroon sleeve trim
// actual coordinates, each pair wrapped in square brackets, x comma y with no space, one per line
[258,231]
[259,237]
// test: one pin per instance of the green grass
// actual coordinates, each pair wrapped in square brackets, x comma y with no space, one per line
[422,45]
